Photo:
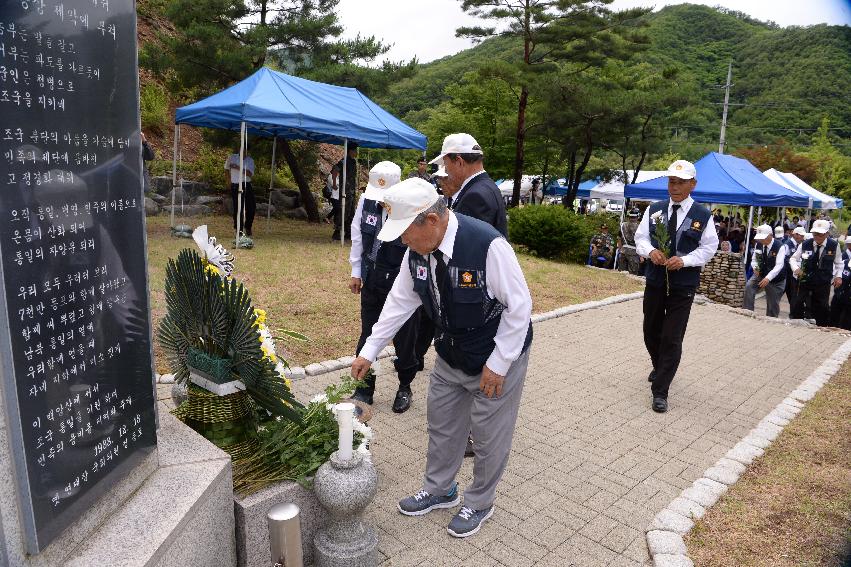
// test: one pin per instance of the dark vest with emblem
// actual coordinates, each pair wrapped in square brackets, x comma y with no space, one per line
[379,264]
[766,262]
[821,272]
[842,295]
[467,320]
[688,239]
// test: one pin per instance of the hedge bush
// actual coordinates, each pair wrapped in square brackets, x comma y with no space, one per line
[551,231]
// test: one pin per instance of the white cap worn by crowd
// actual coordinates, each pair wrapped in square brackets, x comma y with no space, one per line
[403,202]
[799,230]
[382,176]
[821,226]
[458,144]
[763,231]
[778,232]
[682,169]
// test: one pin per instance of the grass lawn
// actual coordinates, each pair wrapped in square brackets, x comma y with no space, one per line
[300,277]
[792,507]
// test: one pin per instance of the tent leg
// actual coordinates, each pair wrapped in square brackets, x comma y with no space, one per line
[747,239]
[271,184]
[809,216]
[343,194]
[174,170]
[241,182]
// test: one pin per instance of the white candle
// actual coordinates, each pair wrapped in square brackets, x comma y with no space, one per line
[345,414]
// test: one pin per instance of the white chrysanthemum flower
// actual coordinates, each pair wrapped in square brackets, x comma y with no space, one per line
[656,216]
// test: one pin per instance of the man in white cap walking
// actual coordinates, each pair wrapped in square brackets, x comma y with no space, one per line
[768,263]
[673,273]
[477,196]
[375,265]
[466,276]
[817,263]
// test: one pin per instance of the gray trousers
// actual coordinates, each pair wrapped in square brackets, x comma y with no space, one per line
[773,293]
[455,406]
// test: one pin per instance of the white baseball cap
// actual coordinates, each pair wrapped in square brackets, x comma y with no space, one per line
[382,176]
[403,202]
[821,226]
[799,230]
[682,169]
[458,144]
[441,172]
[778,232]
[763,231]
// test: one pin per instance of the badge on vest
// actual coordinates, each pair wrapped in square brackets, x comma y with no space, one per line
[830,252]
[422,273]
[371,220]
[468,278]
[695,225]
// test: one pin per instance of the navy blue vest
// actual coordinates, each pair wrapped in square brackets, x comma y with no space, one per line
[688,239]
[821,273]
[469,319]
[766,263]
[378,269]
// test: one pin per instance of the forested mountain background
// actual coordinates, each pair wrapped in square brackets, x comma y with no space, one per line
[785,80]
[640,108]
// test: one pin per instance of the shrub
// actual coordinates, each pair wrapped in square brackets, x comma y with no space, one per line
[551,231]
[153,102]
[210,167]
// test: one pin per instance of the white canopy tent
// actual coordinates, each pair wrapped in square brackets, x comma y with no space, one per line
[507,186]
[818,200]
[613,190]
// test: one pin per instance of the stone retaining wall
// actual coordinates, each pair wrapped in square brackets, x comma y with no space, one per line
[723,279]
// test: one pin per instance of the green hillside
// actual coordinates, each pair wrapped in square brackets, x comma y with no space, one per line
[785,79]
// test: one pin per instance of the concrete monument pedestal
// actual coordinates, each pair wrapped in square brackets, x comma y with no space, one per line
[345,489]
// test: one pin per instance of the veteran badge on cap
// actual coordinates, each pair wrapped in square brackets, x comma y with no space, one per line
[382,176]
[403,202]
[821,226]
[763,231]
[682,169]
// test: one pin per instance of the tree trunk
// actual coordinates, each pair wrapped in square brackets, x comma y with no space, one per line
[519,154]
[307,199]
[567,200]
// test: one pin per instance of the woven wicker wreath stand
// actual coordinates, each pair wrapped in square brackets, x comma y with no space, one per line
[217,406]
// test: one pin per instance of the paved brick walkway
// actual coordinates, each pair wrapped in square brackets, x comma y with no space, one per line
[591,463]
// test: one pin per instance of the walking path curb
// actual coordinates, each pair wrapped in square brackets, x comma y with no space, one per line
[665,534]
[298,372]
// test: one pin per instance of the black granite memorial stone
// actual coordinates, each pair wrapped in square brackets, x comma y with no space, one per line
[75,333]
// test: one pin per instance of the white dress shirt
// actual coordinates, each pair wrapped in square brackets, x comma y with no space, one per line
[356,253]
[505,283]
[795,260]
[699,256]
[779,263]
[232,165]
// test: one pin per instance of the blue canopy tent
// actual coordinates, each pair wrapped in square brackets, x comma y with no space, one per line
[727,180]
[269,103]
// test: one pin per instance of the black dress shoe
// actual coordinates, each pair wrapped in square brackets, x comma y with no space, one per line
[660,405]
[651,376]
[363,396]
[469,451]
[402,401]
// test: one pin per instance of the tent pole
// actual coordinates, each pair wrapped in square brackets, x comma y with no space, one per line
[174,170]
[271,184]
[343,194]
[809,216]
[759,215]
[747,239]
[241,182]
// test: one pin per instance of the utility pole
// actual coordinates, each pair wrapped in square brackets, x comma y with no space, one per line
[726,104]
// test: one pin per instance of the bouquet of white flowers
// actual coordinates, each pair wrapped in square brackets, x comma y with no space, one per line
[663,240]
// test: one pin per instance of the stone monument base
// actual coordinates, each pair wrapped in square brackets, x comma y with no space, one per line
[252,532]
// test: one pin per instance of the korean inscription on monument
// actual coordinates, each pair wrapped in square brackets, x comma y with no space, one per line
[76,360]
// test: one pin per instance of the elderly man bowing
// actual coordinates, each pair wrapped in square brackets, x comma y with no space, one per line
[769,271]
[480,304]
